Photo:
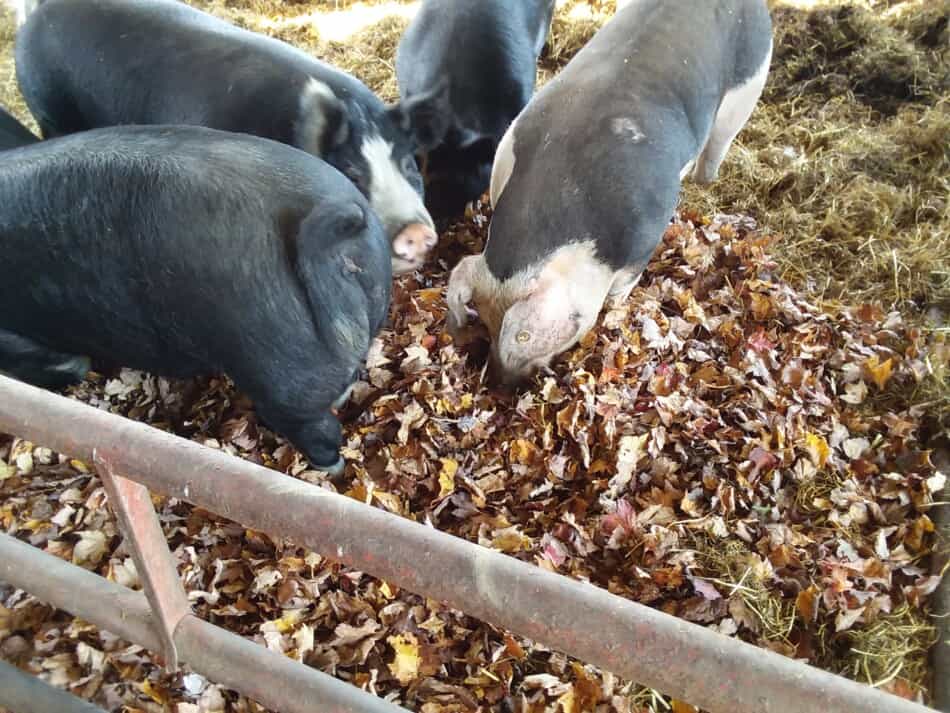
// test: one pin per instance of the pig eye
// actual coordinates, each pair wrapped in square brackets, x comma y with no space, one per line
[523,337]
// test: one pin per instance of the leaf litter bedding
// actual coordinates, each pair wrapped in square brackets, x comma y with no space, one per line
[721,447]
[717,448]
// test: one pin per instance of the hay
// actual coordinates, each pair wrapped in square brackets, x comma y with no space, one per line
[739,570]
[10,97]
[846,155]
[893,648]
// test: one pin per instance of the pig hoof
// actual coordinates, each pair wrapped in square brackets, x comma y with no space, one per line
[333,470]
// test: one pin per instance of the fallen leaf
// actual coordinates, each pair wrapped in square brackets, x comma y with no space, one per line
[880,371]
[818,449]
[447,476]
[91,547]
[405,666]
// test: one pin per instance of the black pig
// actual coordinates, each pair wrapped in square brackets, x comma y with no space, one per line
[468,68]
[184,251]
[83,64]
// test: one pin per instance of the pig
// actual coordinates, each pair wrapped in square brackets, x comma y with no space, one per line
[468,67]
[183,250]
[586,179]
[13,133]
[84,64]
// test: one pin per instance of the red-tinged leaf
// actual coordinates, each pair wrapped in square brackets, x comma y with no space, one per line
[704,588]
[762,462]
[760,343]
[625,518]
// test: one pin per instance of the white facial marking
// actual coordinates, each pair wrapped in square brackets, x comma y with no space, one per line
[392,197]
[504,163]
[626,128]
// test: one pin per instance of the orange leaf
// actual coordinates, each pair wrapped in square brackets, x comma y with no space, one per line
[806,603]
[880,371]
[522,451]
[682,707]
[513,648]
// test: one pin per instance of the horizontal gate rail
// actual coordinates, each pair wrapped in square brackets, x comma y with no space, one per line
[276,681]
[692,663]
[22,693]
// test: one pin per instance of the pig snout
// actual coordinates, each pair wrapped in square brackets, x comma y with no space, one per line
[411,245]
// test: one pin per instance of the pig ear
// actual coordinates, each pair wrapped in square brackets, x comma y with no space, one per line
[538,325]
[425,117]
[460,292]
[323,124]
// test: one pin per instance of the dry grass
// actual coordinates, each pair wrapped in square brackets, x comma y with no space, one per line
[847,157]
[893,647]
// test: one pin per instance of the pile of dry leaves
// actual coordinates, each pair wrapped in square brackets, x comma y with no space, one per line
[717,448]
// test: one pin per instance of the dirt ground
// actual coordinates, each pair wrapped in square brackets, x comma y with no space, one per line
[748,452]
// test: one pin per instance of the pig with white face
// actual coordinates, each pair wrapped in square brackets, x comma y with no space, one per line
[84,64]
[587,177]
[467,68]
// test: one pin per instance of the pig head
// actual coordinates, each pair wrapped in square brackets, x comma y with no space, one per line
[537,313]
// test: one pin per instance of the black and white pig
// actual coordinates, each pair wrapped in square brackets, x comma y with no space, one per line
[468,68]
[83,64]
[13,133]
[587,177]
[183,251]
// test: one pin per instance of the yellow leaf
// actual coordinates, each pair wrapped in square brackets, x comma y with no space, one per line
[405,667]
[391,502]
[880,372]
[429,295]
[447,476]
[818,448]
[156,694]
[386,590]
[80,466]
[510,540]
[521,451]
[681,707]
[466,401]
[567,701]
[357,492]
[287,621]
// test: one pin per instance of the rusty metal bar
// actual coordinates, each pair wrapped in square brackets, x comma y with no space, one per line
[22,693]
[692,663]
[275,681]
[133,507]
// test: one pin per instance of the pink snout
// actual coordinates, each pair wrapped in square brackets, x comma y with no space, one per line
[414,242]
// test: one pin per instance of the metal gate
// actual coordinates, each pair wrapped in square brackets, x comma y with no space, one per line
[712,671]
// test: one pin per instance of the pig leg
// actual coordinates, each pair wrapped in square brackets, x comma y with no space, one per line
[733,113]
[30,361]
[622,286]
[345,396]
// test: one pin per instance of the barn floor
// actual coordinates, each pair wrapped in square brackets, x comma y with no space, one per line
[743,445]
